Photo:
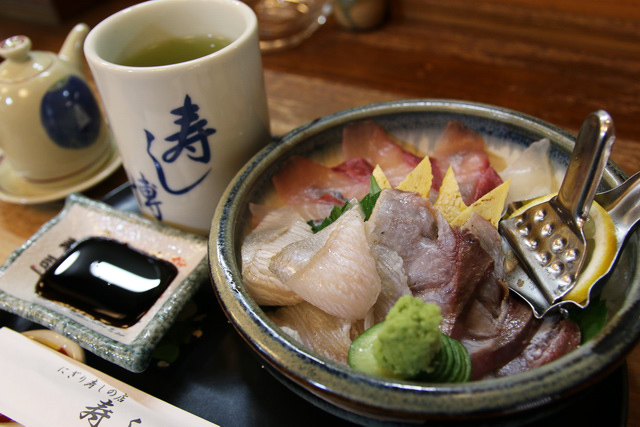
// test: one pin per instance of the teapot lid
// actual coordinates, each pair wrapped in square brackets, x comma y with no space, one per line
[20,62]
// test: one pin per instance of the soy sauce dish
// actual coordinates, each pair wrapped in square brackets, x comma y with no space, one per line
[366,398]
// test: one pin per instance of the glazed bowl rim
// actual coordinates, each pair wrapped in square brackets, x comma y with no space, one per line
[374,397]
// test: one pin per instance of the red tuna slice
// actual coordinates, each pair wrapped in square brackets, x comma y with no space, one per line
[437,172]
[487,182]
[464,150]
[443,265]
[357,168]
[493,341]
[455,269]
[457,138]
[303,181]
[496,326]
[448,272]
[555,338]
[371,142]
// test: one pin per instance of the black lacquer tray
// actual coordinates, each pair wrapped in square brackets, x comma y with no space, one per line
[216,376]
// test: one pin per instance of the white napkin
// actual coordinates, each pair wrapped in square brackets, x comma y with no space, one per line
[41,387]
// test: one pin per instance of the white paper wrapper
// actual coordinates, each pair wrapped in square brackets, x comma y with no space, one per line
[45,388]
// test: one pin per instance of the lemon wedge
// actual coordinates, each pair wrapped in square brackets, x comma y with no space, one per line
[600,233]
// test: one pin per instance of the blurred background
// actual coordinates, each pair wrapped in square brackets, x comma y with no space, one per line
[555,60]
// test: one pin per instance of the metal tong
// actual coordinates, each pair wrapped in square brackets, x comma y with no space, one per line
[548,239]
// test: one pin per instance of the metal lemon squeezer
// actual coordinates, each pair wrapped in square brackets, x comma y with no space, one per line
[548,239]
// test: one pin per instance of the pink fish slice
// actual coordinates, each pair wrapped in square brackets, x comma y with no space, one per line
[548,239]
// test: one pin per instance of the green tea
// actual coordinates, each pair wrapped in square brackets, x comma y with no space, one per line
[173,51]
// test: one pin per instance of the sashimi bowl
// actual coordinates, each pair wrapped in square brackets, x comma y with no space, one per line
[321,375]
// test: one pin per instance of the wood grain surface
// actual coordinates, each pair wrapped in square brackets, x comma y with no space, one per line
[557,61]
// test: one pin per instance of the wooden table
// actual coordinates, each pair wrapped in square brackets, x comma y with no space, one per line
[554,60]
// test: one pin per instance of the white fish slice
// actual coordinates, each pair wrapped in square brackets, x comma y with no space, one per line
[277,230]
[325,334]
[340,277]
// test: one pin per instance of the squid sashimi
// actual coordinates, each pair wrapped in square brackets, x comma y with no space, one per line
[464,150]
[340,277]
[325,334]
[302,181]
[371,142]
[278,229]
[534,161]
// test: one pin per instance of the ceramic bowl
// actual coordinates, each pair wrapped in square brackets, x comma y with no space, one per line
[347,392]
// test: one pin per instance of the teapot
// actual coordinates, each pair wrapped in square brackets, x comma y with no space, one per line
[52,130]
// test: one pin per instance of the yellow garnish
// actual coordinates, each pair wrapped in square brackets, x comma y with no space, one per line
[380,177]
[449,201]
[489,206]
[419,179]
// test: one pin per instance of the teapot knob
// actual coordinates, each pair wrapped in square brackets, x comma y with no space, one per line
[16,48]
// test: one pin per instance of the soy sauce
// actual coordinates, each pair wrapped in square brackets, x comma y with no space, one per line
[107,280]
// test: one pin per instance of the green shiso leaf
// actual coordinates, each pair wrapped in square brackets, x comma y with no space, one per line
[367,204]
[591,319]
[333,216]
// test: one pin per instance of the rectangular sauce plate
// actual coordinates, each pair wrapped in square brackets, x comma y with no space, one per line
[81,218]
